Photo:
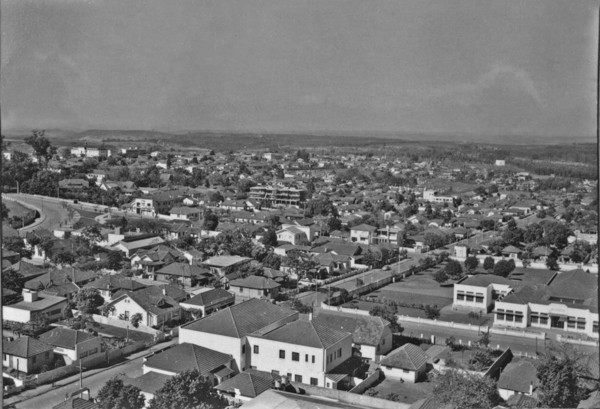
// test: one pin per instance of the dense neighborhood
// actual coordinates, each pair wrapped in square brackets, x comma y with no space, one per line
[316,277]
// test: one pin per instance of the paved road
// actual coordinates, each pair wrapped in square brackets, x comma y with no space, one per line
[93,379]
[53,211]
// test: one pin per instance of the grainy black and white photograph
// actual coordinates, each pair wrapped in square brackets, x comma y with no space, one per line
[284,204]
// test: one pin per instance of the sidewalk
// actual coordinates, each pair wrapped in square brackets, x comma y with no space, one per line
[40,390]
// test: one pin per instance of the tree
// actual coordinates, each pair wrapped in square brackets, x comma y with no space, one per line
[484,340]
[453,269]
[388,313]
[188,390]
[440,276]
[107,309]
[136,319]
[333,223]
[434,241]
[557,234]
[302,308]
[116,395]
[471,263]
[114,260]
[89,300]
[432,312]
[67,312]
[41,145]
[270,238]
[16,244]
[13,280]
[558,377]
[466,391]
[488,263]
[320,206]
[211,221]
[504,267]
[552,263]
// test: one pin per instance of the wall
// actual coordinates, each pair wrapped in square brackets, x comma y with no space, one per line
[367,383]
[219,343]
[123,324]
[15,314]
[496,368]
[398,373]
[350,398]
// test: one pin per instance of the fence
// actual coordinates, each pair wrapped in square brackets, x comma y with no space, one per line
[499,364]
[344,309]
[593,268]
[568,340]
[367,383]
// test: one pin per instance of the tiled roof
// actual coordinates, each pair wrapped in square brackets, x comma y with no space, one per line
[249,385]
[210,297]
[64,337]
[365,330]
[25,347]
[574,284]
[115,282]
[241,319]
[307,333]
[186,356]
[150,299]
[519,376]
[483,280]
[56,277]
[364,227]
[149,382]
[255,282]
[408,356]
[183,270]
[225,261]
[76,403]
[518,401]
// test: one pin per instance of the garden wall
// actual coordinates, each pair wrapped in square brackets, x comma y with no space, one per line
[367,383]
[348,397]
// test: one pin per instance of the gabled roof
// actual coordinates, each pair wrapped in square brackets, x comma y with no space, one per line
[76,403]
[483,280]
[225,261]
[364,227]
[150,299]
[25,347]
[519,376]
[58,277]
[307,333]
[65,337]
[115,282]
[250,385]
[408,356]
[365,330]
[183,270]
[574,284]
[241,319]
[149,382]
[255,282]
[186,356]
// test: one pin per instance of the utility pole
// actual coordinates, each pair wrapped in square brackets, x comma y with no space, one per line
[81,368]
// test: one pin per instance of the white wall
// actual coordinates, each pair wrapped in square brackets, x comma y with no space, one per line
[397,373]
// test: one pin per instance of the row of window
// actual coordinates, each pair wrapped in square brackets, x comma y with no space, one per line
[295,355]
[336,354]
[509,315]
[469,296]
[573,322]
[297,378]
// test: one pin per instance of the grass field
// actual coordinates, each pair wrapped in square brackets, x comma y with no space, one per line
[87,217]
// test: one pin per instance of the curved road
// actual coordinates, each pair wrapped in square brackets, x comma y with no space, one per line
[52,209]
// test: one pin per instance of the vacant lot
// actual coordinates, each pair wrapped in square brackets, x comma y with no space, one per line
[16,209]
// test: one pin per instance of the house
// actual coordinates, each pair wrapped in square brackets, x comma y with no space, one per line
[153,259]
[212,299]
[27,355]
[77,402]
[153,303]
[291,235]
[479,291]
[186,274]
[363,233]
[372,336]
[307,226]
[131,244]
[110,284]
[221,265]
[227,330]
[153,205]
[246,386]
[72,344]
[185,213]
[148,384]
[303,350]
[518,378]
[34,305]
[215,365]
[254,287]
[408,363]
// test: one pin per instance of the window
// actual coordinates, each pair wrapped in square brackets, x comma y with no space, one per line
[570,322]
[243,349]
[313,357]
[281,354]
[241,289]
[314,381]
[544,319]
[518,318]
[595,327]
[535,319]
[295,356]
[305,357]
[256,349]
[339,352]
[405,370]
[298,378]
[470,296]
[580,323]
[289,376]
[274,372]
[460,295]
[479,298]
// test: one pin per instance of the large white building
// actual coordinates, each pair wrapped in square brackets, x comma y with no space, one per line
[304,351]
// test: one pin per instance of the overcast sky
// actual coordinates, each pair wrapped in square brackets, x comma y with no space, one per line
[454,66]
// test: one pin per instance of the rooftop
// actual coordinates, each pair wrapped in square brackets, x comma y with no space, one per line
[65,337]
[408,356]
[307,333]
[186,356]
[25,347]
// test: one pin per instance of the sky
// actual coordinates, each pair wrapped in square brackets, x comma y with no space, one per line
[483,67]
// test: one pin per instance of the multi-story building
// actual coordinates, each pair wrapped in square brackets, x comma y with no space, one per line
[432,196]
[277,195]
[152,205]
[34,305]
[363,233]
[304,351]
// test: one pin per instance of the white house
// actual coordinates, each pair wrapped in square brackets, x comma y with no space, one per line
[154,304]
[227,330]
[363,233]
[254,287]
[212,299]
[408,363]
[26,354]
[291,234]
[518,378]
[304,351]
[479,291]
[72,344]
[33,305]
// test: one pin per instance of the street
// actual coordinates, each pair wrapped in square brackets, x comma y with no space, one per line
[53,211]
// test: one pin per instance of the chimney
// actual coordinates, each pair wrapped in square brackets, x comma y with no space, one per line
[117,230]
[29,295]
[531,388]
[164,290]
[310,316]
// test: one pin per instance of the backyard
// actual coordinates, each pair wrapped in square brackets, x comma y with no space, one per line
[404,392]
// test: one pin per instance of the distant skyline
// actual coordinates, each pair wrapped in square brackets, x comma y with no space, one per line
[483,67]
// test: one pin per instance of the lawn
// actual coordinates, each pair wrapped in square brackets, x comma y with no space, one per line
[87,218]
[117,332]
[407,392]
